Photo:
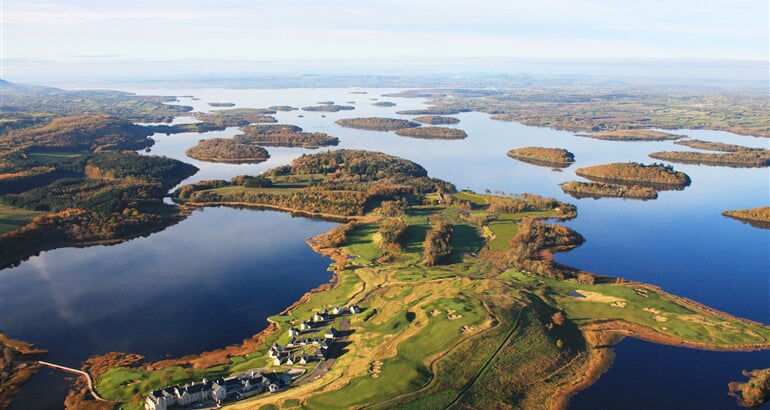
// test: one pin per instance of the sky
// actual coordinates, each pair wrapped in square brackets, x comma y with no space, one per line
[96,34]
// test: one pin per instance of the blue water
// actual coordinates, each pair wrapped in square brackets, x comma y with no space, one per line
[203,284]
[212,279]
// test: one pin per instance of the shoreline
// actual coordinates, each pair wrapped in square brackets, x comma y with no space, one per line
[600,335]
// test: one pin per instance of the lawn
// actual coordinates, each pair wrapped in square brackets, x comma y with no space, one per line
[12,218]
[407,371]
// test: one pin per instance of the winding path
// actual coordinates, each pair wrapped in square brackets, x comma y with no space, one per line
[79,372]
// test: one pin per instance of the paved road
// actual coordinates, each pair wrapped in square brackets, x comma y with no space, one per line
[79,372]
[327,364]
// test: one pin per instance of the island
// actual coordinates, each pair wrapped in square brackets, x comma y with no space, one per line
[227,150]
[284,108]
[433,111]
[282,135]
[734,156]
[430,287]
[219,120]
[548,157]
[633,135]
[437,120]
[712,145]
[658,176]
[329,108]
[384,104]
[376,123]
[755,392]
[756,217]
[222,104]
[579,189]
[439,133]
[237,117]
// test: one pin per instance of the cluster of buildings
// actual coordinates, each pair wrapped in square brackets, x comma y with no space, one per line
[299,350]
[217,390]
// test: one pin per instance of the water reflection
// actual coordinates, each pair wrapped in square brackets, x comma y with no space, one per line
[212,279]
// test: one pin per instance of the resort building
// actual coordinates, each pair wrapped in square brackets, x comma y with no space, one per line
[217,391]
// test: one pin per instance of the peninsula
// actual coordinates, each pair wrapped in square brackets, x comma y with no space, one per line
[431,286]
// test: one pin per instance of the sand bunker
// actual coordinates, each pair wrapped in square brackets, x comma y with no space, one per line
[590,296]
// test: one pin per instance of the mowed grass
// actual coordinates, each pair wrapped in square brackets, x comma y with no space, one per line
[124,384]
[504,227]
[274,191]
[407,371]
[360,242]
[52,158]
[674,317]
[503,231]
[12,218]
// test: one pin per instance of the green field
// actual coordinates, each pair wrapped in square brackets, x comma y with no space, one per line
[53,158]
[12,218]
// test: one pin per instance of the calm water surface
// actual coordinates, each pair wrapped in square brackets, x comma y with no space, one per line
[212,279]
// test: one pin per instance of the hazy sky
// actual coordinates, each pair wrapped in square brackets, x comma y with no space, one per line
[100,30]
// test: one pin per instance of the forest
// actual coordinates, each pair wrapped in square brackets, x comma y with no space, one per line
[633,135]
[87,185]
[227,150]
[735,156]
[376,123]
[341,182]
[579,189]
[329,108]
[436,247]
[23,106]
[550,157]
[739,159]
[757,217]
[78,133]
[433,133]
[279,135]
[636,173]
[437,120]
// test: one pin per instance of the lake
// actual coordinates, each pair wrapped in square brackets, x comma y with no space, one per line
[212,279]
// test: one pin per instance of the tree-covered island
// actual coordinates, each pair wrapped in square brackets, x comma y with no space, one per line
[433,133]
[437,120]
[756,217]
[548,157]
[730,155]
[376,123]
[280,135]
[658,176]
[227,150]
